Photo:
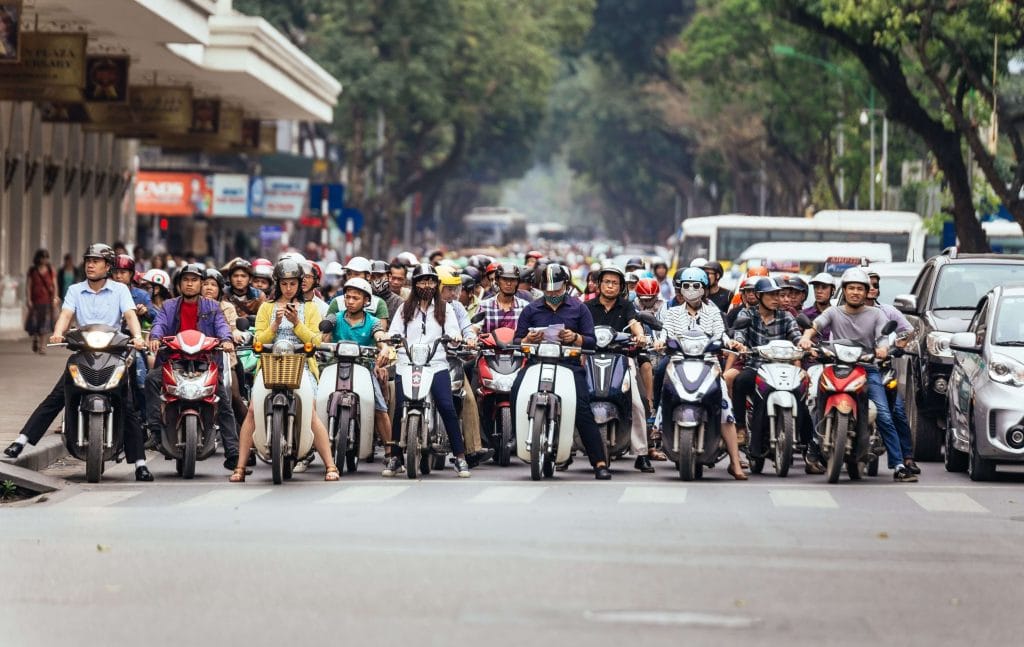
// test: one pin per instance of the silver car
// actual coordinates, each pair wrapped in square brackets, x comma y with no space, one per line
[986,387]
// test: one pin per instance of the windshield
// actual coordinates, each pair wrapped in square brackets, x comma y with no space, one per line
[960,287]
[695,247]
[1010,322]
[890,287]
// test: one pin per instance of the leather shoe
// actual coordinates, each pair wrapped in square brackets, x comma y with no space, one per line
[643,464]
[482,456]
[602,473]
[562,467]
[14,450]
[143,474]
[812,465]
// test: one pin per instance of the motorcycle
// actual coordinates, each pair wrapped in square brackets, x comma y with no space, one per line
[189,394]
[779,384]
[348,407]
[610,381]
[550,411]
[457,359]
[692,399]
[422,433]
[95,393]
[498,366]
[844,405]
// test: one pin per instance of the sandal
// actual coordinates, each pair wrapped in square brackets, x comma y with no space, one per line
[238,476]
[332,473]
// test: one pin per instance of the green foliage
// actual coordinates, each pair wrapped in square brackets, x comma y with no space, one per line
[7,490]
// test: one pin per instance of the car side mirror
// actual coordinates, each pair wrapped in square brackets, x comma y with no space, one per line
[965,342]
[906,303]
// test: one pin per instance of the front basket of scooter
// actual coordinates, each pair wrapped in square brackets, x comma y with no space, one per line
[282,371]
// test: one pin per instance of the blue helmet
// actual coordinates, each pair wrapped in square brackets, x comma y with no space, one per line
[691,274]
[766,284]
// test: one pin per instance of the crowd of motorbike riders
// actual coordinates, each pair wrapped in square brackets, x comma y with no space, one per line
[472,314]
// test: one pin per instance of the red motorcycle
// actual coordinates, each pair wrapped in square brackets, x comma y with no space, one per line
[498,367]
[190,401]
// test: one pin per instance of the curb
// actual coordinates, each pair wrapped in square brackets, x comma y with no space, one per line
[49,450]
[29,479]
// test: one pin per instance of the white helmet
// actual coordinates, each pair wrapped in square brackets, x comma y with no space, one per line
[292,256]
[408,259]
[157,277]
[334,269]
[699,262]
[360,284]
[358,264]
[823,278]
[855,275]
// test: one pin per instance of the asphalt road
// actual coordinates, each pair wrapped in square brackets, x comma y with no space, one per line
[500,560]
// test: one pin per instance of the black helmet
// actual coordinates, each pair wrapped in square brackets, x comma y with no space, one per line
[635,263]
[287,269]
[472,273]
[508,271]
[188,268]
[552,278]
[796,283]
[765,285]
[468,282]
[715,267]
[424,270]
[379,267]
[100,250]
[238,263]
[212,273]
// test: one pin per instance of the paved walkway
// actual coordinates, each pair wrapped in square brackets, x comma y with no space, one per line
[25,379]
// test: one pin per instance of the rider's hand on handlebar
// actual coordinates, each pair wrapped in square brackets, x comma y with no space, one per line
[227,346]
[56,339]
[805,344]
[881,353]
[154,345]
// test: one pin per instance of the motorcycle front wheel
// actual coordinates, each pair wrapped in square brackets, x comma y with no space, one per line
[412,446]
[94,453]
[785,430]
[687,453]
[839,424]
[504,434]
[277,457]
[536,451]
[188,457]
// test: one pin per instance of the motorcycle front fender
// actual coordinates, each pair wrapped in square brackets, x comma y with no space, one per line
[842,402]
[781,400]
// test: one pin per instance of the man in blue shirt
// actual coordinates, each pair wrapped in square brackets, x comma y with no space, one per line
[556,308]
[97,300]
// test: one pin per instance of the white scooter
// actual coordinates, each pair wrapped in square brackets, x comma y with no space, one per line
[549,413]
[345,400]
[423,435]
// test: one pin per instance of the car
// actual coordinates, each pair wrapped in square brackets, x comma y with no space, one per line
[895,279]
[986,387]
[941,303]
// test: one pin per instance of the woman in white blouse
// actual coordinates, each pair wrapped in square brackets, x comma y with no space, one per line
[698,313]
[423,319]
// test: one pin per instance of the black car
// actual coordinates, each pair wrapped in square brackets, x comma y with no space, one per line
[941,304]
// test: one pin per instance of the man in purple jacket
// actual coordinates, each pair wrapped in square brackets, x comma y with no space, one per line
[190,311]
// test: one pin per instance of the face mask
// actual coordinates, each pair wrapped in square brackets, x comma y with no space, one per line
[381,285]
[426,294]
[691,295]
[554,300]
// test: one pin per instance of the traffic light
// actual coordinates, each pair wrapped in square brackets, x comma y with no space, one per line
[163,224]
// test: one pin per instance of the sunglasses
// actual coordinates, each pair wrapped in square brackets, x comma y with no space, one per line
[690,286]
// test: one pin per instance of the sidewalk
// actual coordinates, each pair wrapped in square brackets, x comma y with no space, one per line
[25,379]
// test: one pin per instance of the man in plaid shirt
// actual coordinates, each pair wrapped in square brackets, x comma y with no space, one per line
[503,309]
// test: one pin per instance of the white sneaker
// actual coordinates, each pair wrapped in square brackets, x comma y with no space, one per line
[462,468]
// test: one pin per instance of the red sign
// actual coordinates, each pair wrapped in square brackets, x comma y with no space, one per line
[171,194]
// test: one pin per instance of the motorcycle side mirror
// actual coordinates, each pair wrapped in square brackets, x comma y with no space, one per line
[477,318]
[650,320]
[741,324]
[803,321]
[242,324]
[326,325]
[889,328]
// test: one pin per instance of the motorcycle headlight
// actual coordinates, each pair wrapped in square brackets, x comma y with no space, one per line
[419,354]
[938,344]
[604,336]
[115,379]
[549,350]
[347,349]
[193,389]
[1006,370]
[783,352]
[625,382]
[693,347]
[500,382]
[847,354]
[97,339]
[282,348]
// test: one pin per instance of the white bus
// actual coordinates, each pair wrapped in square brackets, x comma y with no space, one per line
[493,226]
[724,238]
[1004,236]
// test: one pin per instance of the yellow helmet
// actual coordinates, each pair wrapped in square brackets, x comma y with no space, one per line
[448,276]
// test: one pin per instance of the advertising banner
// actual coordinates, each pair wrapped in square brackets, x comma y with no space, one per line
[171,194]
[230,195]
[285,197]
[50,67]
[151,110]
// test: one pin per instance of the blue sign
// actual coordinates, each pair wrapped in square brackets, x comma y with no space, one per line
[271,234]
[335,198]
[355,215]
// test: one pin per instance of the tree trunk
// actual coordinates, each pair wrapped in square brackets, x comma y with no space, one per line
[950,159]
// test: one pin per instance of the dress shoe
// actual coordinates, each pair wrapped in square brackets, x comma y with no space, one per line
[143,474]
[562,467]
[602,473]
[644,464]
[14,450]
[476,458]
[812,465]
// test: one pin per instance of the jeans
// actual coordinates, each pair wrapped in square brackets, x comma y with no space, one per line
[226,423]
[441,391]
[899,416]
[884,419]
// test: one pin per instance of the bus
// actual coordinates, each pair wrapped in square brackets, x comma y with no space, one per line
[496,226]
[723,238]
[1004,236]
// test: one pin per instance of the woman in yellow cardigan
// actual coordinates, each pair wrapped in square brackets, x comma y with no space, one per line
[287,317]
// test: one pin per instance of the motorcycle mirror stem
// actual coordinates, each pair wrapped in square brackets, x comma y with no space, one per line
[327,325]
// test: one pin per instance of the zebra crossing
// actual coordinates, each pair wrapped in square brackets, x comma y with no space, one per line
[947,501]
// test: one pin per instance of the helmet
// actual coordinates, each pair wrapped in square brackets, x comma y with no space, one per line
[378,267]
[766,284]
[448,276]
[715,267]
[211,273]
[647,288]
[552,277]
[188,268]
[468,282]
[360,284]
[237,263]
[424,270]
[435,252]
[611,269]
[318,273]
[99,250]
[491,268]
[480,262]
[855,275]
[747,284]
[760,270]
[635,263]
[699,262]
[157,277]
[508,271]
[287,269]
[796,283]
[295,256]
[472,273]
[358,264]
[873,274]
[690,274]
[334,269]
[823,278]
[534,254]
[263,272]
[124,262]
[407,259]
[656,261]
[632,277]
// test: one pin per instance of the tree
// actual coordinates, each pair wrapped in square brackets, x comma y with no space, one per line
[932,61]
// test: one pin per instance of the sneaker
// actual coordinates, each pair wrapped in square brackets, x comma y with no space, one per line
[911,466]
[462,468]
[902,475]
[302,465]
[482,456]
[392,466]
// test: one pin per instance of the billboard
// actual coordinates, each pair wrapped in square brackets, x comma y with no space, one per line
[230,195]
[171,194]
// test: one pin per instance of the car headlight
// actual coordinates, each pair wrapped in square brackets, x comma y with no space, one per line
[604,336]
[549,350]
[347,349]
[97,339]
[419,354]
[938,344]
[1006,370]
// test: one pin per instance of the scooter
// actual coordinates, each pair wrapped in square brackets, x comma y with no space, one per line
[422,435]
[345,400]
[779,385]
[610,381]
[189,394]
[95,392]
[498,366]
[692,401]
[550,410]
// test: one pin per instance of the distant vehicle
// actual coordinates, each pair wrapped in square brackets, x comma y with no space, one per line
[895,279]
[986,387]
[1004,237]
[723,238]
[940,304]
[493,226]
[550,231]
[810,258]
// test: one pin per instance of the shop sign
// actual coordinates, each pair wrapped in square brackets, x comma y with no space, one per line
[231,195]
[49,67]
[285,197]
[171,194]
[10,25]
[151,110]
[106,79]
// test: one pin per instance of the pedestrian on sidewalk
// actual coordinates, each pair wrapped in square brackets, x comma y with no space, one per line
[41,297]
[69,275]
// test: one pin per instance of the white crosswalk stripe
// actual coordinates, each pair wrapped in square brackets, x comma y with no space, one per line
[365,494]
[946,502]
[229,497]
[98,498]
[802,499]
[653,494]
[509,494]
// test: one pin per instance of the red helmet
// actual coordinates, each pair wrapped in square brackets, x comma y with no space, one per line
[647,288]
[124,262]
[318,273]
[491,267]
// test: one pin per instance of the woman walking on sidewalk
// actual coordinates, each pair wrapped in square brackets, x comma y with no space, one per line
[41,297]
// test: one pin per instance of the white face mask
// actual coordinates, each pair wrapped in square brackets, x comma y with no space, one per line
[691,295]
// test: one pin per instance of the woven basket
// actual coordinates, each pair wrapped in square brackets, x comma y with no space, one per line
[282,371]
